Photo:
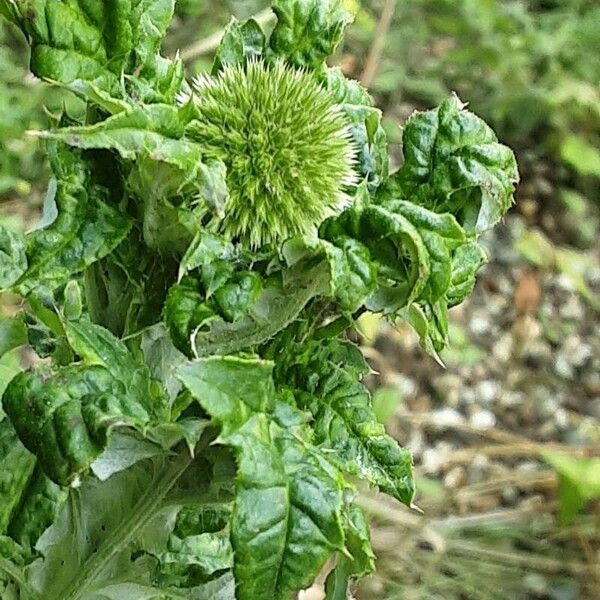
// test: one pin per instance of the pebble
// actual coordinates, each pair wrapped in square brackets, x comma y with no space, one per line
[572,309]
[503,348]
[478,469]
[511,398]
[488,391]
[510,495]
[561,419]
[448,388]
[435,458]
[483,419]
[480,323]
[455,478]
[416,443]
[573,354]
[447,417]
[595,408]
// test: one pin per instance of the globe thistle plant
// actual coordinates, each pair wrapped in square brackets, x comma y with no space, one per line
[190,306]
[286,145]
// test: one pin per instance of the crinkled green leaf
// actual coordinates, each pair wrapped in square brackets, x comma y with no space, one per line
[99,41]
[466,262]
[65,418]
[152,130]
[308,31]
[86,229]
[98,347]
[195,520]
[13,257]
[29,501]
[454,163]
[189,561]
[368,135]
[431,324]
[346,428]
[196,325]
[241,41]
[409,247]
[281,549]
[352,275]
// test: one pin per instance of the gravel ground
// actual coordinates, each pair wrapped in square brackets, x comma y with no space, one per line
[522,379]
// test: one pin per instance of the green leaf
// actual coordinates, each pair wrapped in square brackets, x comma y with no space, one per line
[579,483]
[66,418]
[581,155]
[91,544]
[188,561]
[238,296]
[154,131]
[466,262]
[327,376]
[280,549]
[13,258]
[454,163]
[86,229]
[308,31]
[98,347]
[162,358]
[361,559]
[13,334]
[195,325]
[242,41]
[98,42]
[352,276]
[29,501]
[364,119]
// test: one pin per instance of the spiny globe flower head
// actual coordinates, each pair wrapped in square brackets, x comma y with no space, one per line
[286,145]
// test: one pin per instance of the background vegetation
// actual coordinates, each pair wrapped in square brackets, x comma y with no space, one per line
[507,438]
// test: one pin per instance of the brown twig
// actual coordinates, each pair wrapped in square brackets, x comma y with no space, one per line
[374,58]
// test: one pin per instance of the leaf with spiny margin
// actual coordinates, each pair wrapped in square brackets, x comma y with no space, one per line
[153,131]
[366,129]
[13,257]
[29,501]
[241,41]
[361,559]
[430,321]
[308,31]
[286,519]
[276,307]
[454,163]
[97,42]
[409,247]
[326,376]
[86,229]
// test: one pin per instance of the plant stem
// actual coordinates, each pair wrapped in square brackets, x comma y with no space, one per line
[374,59]
[121,537]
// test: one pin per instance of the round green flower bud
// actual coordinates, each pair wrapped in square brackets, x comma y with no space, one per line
[286,145]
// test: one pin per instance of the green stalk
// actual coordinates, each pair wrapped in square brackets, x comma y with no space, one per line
[121,537]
